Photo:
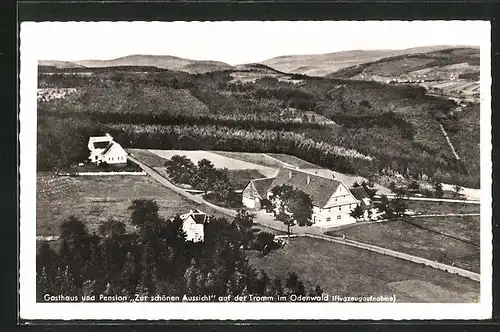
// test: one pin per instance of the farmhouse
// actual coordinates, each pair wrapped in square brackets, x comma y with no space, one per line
[193,224]
[104,149]
[332,200]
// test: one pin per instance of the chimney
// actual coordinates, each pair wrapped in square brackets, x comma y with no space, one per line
[308,179]
[289,174]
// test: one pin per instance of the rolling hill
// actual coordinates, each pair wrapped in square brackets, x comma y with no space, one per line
[452,72]
[59,64]
[325,64]
[138,60]
[253,108]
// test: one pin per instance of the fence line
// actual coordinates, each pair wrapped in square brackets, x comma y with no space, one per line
[419,260]
[110,173]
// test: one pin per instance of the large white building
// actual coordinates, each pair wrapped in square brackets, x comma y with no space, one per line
[332,200]
[104,149]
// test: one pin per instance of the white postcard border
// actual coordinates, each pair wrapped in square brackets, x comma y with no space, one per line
[30,309]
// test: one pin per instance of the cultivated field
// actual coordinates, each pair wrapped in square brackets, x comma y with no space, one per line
[293,160]
[147,157]
[458,245]
[217,160]
[255,158]
[345,270]
[95,199]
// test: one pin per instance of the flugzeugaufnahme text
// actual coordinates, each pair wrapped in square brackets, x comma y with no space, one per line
[213,298]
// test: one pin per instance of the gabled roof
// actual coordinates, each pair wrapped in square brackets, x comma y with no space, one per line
[101,144]
[318,188]
[199,218]
[359,193]
[262,186]
[106,150]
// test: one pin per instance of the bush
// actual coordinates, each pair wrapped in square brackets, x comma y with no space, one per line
[265,242]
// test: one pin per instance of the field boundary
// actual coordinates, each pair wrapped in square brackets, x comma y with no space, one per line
[441,233]
[446,215]
[444,200]
[109,173]
[281,161]
[415,259]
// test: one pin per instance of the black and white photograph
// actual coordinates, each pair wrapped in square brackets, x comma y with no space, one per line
[255,170]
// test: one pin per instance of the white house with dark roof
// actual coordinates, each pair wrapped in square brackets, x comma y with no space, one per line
[193,224]
[332,200]
[104,149]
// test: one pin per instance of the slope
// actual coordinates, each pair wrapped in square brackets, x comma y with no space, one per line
[59,64]
[324,64]
[159,61]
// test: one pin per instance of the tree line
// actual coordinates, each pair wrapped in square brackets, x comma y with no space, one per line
[394,141]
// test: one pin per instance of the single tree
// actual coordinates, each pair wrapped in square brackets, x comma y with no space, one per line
[180,169]
[292,206]
[316,291]
[438,190]
[112,228]
[276,288]
[144,211]
[221,187]
[73,230]
[357,213]
[457,191]
[244,221]
[293,285]
[398,206]
[384,206]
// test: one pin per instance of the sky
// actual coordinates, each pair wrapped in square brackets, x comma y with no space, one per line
[240,42]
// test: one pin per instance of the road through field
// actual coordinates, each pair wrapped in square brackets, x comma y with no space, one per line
[198,199]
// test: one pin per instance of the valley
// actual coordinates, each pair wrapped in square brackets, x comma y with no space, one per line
[255,108]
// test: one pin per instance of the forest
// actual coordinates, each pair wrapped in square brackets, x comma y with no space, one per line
[156,260]
[376,126]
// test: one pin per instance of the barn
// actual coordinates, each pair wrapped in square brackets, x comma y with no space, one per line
[255,192]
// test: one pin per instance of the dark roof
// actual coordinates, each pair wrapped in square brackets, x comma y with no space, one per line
[359,193]
[107,148]
[101,144]
[262,186]
[199,218]
[318,188]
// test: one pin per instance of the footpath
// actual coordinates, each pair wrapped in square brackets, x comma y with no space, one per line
[268,221]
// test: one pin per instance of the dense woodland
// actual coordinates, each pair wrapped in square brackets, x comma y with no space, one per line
[377,126]
[156,260]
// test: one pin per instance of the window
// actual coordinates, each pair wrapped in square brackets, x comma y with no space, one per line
[339,217]
[340,208]
[328,219]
